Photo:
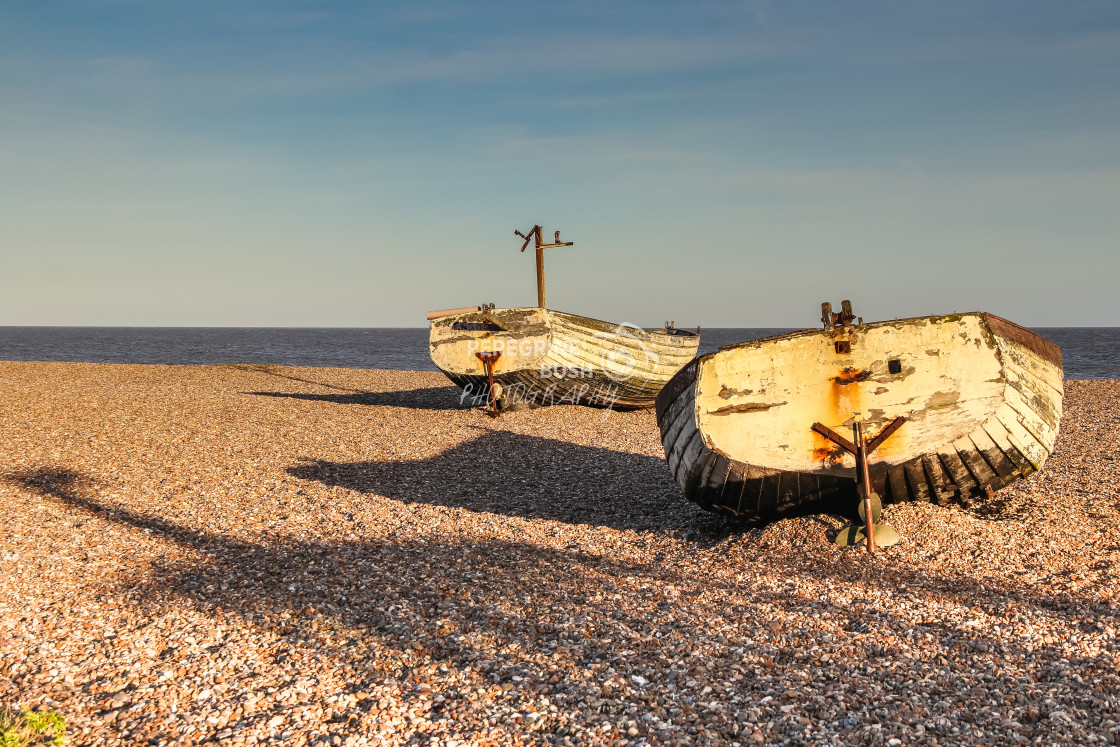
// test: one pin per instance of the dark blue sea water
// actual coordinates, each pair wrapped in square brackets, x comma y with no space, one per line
[1088,352]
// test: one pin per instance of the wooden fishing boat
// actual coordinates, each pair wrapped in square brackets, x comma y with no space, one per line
[963,404]
[548,357]
[537,356]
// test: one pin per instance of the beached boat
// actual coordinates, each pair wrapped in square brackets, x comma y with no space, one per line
[537,356]
[962,405]
[548,357]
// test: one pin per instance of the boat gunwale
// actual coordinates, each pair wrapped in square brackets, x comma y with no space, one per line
[869,325]
[1036,343]
[586,320]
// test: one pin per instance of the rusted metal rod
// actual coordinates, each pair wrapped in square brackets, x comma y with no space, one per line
[540,272]
[864,482]
[488,361]
[884,434]
[861,449]
[835,437]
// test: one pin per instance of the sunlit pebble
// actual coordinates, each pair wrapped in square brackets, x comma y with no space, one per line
[329,556]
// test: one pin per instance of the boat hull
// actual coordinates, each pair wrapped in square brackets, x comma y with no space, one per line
[550,357]
[981,398]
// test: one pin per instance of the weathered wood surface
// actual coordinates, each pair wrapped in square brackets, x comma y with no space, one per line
[549,357]
[981,395]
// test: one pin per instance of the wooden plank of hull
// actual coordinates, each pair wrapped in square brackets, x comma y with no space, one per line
[677,418]
[1032,377]
[773,493]
[1028,444]
[984,476]
[999,436]
[1040,430]
[735,491]
[749,491]
[897,476]
[768,491]
[700,476]
[655,359]
[686,439]
[648,382]
[943,491]
[999,428]
[683,384]
[790,491]
[956,470]
[654,356]
[1033,364]
[590,343]
[723,485]
[994,456]
[916,477]
[717,477]
[638,389]
[537,342]
[729,495]
[1014,437]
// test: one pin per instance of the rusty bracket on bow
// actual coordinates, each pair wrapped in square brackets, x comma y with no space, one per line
[842,318]
[488,361]
[871,444]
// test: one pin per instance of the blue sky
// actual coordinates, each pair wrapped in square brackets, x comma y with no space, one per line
[717,163]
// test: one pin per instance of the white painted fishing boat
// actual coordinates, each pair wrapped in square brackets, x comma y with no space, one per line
[536,356]
[545,357]
[962,405]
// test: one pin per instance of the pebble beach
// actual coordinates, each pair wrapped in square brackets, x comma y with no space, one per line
[244,555]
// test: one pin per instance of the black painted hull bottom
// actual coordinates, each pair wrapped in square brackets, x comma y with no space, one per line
[783,494]
[523,389]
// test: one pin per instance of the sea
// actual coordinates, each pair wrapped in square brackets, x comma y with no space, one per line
[1087,352]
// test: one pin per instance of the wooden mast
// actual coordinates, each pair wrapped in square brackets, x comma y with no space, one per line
[540,271]
[535,234]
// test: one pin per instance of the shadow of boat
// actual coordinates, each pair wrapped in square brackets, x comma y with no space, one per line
[429,398]
[529,477]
